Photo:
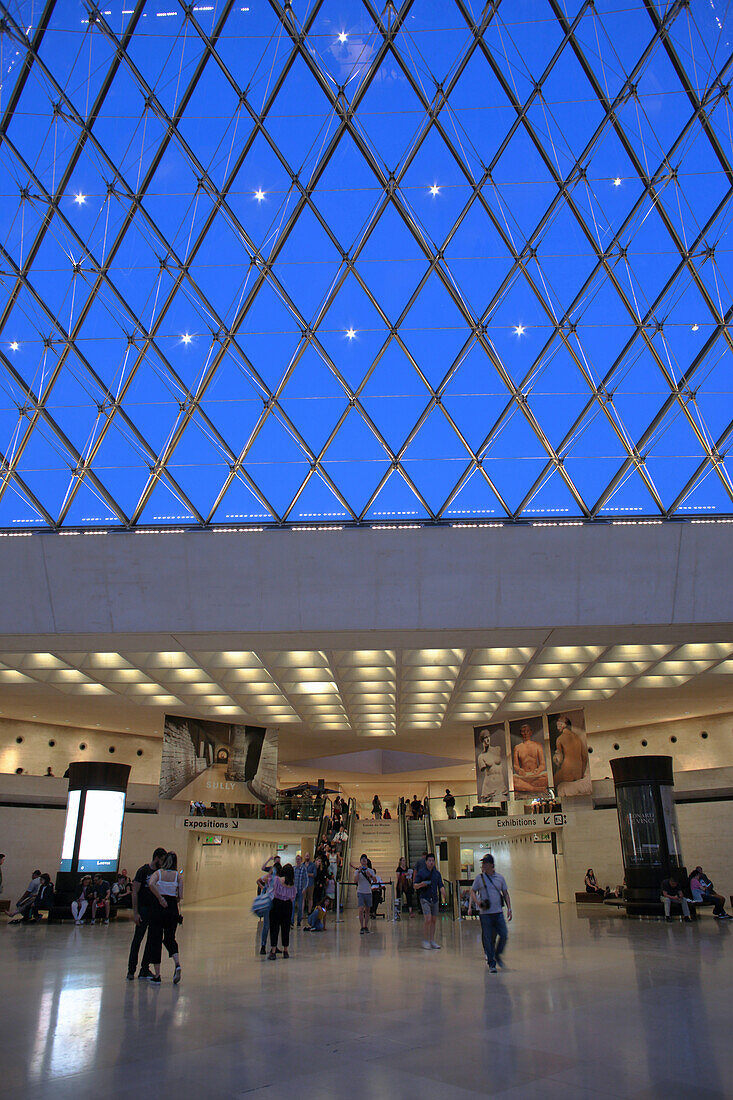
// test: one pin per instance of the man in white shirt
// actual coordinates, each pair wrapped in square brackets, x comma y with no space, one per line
[364,879]
[24,904]
[489,893]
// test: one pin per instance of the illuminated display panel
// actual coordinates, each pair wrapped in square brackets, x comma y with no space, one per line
[72,814]
[101,831]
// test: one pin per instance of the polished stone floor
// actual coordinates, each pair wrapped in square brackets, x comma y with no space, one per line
[589,1005]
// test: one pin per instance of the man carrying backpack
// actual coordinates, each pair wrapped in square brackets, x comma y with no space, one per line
[489,894]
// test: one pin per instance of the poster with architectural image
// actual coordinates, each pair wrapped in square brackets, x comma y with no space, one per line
[492,778]
[218,762]
[569,748]
[529,765]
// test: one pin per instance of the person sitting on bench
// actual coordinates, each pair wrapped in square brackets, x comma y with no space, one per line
[591,886]
[44,898]
[703,893]
[671,892]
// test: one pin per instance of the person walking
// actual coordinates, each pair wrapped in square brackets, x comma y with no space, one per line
[376,808]
[166,886]
[80,903]
[403,883]
[450,805]
[142,906]
[428,883]
[300,876]
[283,895]
[364,878]
[489,893]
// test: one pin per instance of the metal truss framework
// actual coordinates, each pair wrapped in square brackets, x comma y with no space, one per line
[74,436]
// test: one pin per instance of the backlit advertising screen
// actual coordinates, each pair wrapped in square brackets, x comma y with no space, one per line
[101,831]
[72,814]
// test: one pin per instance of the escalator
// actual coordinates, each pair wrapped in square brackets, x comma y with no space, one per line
[416,837]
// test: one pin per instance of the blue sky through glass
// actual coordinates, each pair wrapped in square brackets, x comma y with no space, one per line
[336,262]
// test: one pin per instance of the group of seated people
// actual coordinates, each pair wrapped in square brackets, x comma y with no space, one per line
[677,889]
[697,890]
[95,896]
[37,898]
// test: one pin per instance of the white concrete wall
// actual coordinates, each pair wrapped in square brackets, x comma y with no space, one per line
[31,837]
[512,578]
[231,867]
[34,754]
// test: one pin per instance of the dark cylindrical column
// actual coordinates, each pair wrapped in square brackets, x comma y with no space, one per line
[647,820]
[95,810]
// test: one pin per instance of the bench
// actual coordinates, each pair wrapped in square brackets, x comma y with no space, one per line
[58,913]
[588,899]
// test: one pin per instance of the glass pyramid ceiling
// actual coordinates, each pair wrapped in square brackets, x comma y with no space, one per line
[319,262]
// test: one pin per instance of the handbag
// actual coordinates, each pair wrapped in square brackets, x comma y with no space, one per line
[262,903]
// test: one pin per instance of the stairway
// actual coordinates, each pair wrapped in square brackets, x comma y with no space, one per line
[380,840]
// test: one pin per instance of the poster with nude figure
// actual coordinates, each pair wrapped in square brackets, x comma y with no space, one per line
[569,748]
[207,762]
[529,766]
[492,778]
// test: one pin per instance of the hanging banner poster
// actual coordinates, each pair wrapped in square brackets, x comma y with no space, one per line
[207,762]
[570,760]
[492,779]
[529,766]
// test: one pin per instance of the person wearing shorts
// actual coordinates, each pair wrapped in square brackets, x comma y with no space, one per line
[429,886]
[364,879]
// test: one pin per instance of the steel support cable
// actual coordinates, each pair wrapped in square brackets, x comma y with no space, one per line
[251,484]
[599,264]
[101,95]
[642,330]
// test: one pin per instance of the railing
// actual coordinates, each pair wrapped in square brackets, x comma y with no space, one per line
[402,818]
[346,854]
[285,809]
[429,834]
[469,806]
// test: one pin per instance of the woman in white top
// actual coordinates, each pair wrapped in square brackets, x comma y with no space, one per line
[166,885]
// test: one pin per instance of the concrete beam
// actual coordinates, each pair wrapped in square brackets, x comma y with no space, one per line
[508,579]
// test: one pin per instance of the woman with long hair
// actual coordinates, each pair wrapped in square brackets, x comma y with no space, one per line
[282,907]
[166,887]
[403,884]
[376,808]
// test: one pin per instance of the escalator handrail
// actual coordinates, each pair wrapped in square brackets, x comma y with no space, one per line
[429,835]
[350,822]
[321,822]
[404,846]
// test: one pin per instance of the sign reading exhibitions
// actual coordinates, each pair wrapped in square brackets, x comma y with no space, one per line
[218,762]
[526,742]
